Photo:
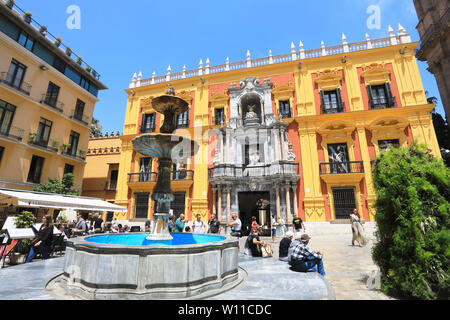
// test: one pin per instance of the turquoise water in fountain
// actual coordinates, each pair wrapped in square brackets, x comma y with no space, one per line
[139,239]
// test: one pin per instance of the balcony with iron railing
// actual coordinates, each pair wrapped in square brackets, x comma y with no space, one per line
[333,108]
[182,124]
[51,100]
[281,168]
[79,117]
[152,177]
[382,103]
[13,132]
[342,167]
[42,144]
[21,86]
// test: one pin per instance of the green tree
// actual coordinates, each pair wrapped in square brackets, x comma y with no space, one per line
[96,128]
[59,187]
[412,250]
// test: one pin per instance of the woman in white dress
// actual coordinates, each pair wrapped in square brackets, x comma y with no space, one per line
[357,229]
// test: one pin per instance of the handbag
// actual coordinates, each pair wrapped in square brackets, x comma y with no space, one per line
[266,252]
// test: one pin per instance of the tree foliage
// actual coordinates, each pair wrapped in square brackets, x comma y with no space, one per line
[96,128]
[59,187]
[412,251]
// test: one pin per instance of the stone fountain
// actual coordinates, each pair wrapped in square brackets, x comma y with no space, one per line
[159,265]
[161,146]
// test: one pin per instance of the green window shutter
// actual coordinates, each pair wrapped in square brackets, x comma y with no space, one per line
[370,94]
[322,101]
[389,95]
[339,99]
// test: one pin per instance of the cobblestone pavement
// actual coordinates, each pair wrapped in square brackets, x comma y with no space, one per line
[348,268]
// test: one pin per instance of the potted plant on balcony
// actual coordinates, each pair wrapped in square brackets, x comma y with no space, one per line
[55,145]
[82,154]
[64,148]
[31,137]
[24,220]
[58,41]
[10,3]
[88,68]
[79,60]
[43,30]
[68,51]
[27,17]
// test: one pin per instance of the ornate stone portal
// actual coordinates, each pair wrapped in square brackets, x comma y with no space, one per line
[252,154]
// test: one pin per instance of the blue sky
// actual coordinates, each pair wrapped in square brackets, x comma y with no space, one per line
[119,38]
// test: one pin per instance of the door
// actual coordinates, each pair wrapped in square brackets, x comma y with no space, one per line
[248,208]
[344,202]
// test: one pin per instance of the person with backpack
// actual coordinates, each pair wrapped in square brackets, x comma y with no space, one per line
[198,225]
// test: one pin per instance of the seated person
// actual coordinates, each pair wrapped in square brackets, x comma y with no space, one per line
[302,259]
[285,243]
[147,226]
[63,231]
[256,244]
[43,242]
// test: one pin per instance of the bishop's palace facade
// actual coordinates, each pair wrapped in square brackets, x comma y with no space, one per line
[280,136]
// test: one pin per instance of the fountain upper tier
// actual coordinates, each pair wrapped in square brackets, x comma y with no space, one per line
[160,145]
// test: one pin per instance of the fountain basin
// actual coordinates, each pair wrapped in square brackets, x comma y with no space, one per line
[104,267]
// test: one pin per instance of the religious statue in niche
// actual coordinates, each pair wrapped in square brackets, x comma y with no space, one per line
[290,155]
[255,168]
[251,114]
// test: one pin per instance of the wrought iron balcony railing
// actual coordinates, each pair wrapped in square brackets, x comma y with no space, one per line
[335,108]
[182,125]
[79,117]
[179,175]
[13,132]
[275,169]
[382,103]
[342,167]
[52,101]
[44,145]
[7,78]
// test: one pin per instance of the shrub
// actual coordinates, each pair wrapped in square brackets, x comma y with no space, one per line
[25,219]
[412,250]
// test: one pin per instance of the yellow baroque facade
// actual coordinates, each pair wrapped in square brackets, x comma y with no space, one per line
[283,135]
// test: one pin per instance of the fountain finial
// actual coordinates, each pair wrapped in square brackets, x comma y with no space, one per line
[170,90]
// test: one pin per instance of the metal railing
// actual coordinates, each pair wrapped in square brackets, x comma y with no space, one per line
[342,167]
[52,101]
[182,125]
[382,103]
[44,144]
[24,87]
[338,108]
[79,117]
[14,132]
[179,175]
[435,27]
[274,169]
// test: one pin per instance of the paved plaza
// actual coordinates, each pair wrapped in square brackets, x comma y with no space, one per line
[348,269]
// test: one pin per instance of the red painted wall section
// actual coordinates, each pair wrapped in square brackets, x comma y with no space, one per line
[129,204]
[357,147]
[294,138]
[284,80]
[409,134]
[344,91]
[394,86]
[221,88]
[157,122]
[371,147]
[362,85]
[210,202]
[323,185]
